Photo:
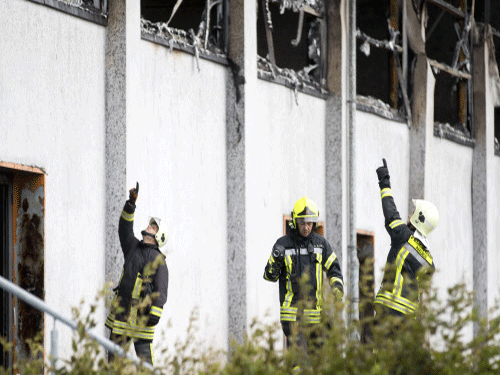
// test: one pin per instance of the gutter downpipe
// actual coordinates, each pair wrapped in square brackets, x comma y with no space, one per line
[352,257]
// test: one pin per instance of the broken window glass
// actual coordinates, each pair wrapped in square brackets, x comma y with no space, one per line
[291,43]
[183,24]
[380,58]
[448,49]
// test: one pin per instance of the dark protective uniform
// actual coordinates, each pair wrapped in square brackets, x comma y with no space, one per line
[315,256]
[408,260]
[144,274]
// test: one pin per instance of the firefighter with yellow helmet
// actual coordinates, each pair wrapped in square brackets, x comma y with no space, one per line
[409,258]
[300,251]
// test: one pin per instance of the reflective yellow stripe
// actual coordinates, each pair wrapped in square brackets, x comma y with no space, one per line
[156,311]
[124,328]
[152,353]
[401,300]
[423,253]
[387,192]
[399,279]
[127,216]
[288,314]
[336,279]
[394,304]
[137,286]
[289,291]
[396,223]
[312,316]
[319,279]
[330,261]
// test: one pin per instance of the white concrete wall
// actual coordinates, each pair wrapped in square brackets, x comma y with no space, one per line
[450,190]
[52,116]
[493,198]
[378,138]
[494,233]
[285,160]
[176,149]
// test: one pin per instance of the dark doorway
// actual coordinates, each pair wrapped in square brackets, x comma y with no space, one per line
[5,267]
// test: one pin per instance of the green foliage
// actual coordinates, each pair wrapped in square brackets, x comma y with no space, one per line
[437,340]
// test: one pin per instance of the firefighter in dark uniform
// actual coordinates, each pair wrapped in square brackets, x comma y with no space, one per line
[143,286]
[303,250]
[409,258]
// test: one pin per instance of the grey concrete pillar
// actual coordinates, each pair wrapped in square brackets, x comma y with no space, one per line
[483,145]
[422,128]
[115,141]
[235,159]
[334,149]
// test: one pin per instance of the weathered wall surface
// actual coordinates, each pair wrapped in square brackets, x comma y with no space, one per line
[52,117]
[377,138]
[450,191]
[176,150]
[493,197]
[285,161]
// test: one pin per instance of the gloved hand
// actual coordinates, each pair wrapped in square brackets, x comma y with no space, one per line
[383,176]
[338,294]
[133,193]
[278,253]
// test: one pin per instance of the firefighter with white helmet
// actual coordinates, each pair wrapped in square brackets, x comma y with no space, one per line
[300,251]
[143,286]
[409,257]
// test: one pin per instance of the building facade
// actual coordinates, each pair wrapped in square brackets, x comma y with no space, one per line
[225,126]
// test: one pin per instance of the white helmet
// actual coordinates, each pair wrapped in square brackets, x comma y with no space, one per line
[425,217]
[161,236]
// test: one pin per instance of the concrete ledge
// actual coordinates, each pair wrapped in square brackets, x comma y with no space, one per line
[186,48]
[87,13]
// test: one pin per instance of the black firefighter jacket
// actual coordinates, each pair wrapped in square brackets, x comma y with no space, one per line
[315,256]
[145,273]
[407,262]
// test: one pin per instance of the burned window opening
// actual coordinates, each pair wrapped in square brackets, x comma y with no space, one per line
[291,44]
[90,10]
[381,76]
[448,49]
[184,26]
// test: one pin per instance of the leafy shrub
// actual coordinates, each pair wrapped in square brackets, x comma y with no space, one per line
[435,341]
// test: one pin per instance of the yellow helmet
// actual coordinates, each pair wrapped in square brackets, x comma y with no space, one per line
[425,217]
[305,209]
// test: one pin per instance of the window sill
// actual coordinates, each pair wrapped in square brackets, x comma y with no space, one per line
[379,108]
[298,82]
[449,132]
[85,12]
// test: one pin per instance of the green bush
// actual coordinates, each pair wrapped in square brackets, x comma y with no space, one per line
[437,340]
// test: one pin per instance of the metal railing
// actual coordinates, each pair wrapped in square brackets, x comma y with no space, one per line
[39,304]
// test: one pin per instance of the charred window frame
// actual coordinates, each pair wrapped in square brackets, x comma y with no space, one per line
[182,25]
[381,59]
[91,10]
[448,47]
[291,44]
